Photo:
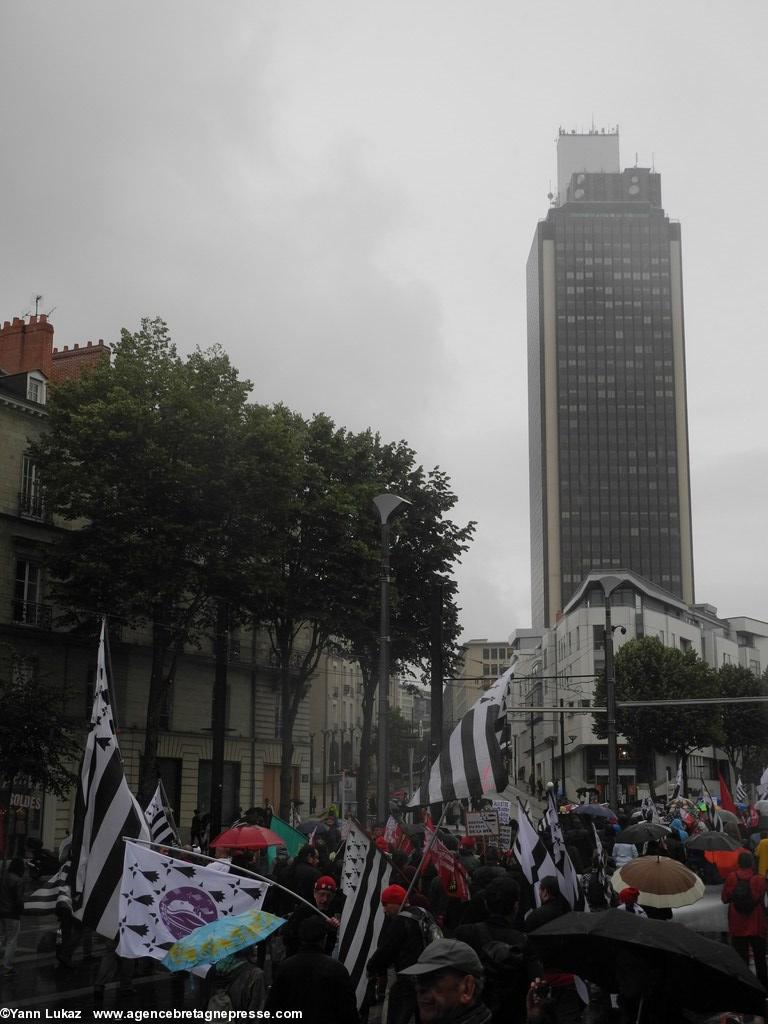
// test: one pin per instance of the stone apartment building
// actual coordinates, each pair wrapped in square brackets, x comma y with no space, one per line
[32,641]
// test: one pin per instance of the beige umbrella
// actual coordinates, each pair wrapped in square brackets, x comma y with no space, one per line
[662,882]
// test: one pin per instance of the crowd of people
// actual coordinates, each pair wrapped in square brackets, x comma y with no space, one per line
[470,961]
[441,957]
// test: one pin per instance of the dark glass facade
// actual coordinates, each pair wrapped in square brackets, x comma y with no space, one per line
[607,391]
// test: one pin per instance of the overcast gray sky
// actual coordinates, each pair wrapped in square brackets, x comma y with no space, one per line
[343,194]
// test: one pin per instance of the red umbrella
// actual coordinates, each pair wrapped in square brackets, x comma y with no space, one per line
[247,837]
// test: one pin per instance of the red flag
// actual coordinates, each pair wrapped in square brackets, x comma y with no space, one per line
[402,841]
[450,871]
[726,800]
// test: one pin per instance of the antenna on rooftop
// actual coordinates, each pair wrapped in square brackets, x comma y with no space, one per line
[38,300]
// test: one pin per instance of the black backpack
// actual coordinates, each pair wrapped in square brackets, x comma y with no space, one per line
[428,927]
[741,897]
[504,970]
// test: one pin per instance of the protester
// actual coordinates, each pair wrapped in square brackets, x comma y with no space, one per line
[628,898]
[305,873]
[400,943]
[509,963]
[329,901]
[448,979]
[552,904]
[237,982]
[761,854]
[467,854]
[744,892]
[312,982]
[11,909]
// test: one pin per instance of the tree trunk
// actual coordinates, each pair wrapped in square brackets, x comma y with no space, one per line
[158,687]
[683,759]
[288,709]
[369,695]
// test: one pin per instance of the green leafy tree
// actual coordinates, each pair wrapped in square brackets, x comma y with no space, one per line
[647,670]
[744,726]
[145,458]
[36,742]
[425,547]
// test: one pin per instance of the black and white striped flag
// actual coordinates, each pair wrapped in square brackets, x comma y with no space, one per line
[471,763]
[566,872]
[740,793]
[532,855]
[50,893]
[363,877]
[602,867]
[105,812]
[715,821]
[678,790]
[162,826]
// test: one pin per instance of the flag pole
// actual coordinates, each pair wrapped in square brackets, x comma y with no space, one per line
[110,673]
[186,853]
[424,856]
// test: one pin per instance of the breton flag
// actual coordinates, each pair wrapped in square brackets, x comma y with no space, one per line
[105,812]
[471,763]
[162,827]
[294,818]
[163,899]
[715,821]
[363,877]
[740,792]
[602,863]
[532,855]
[649,811]
[567,875]
[762,789]
[53,891]
[678,790]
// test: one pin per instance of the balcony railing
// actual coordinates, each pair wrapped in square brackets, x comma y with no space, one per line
[32,506]
[28,614]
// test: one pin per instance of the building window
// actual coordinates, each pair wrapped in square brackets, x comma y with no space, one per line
[31,494]
[27,608]
[36,389]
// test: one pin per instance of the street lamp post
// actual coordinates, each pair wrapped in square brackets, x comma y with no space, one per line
[385,504]
[609,584]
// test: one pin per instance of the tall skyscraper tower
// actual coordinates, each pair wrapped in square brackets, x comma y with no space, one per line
[608,430]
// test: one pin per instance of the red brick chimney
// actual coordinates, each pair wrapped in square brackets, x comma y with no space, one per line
[27,346]
[69,363]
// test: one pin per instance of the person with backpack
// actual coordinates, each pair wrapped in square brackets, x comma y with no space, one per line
[744,892]
[237,982]
[405,933]
[313,983]
[509,963]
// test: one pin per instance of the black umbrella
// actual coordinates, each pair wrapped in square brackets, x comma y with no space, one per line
[669,960]
[712,841]
[642,832]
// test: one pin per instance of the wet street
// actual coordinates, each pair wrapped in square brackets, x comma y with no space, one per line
[41,983]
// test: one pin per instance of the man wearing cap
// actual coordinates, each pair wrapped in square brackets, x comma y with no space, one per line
[448,979]
[467,854]
[400,944]
[328,900]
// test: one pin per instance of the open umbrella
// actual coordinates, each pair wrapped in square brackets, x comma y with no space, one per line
[308,827]
[711,841]
[678,963]
[247,837]
[662,882]
[642,832]
[728,816]
[212,942]
[596,811]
